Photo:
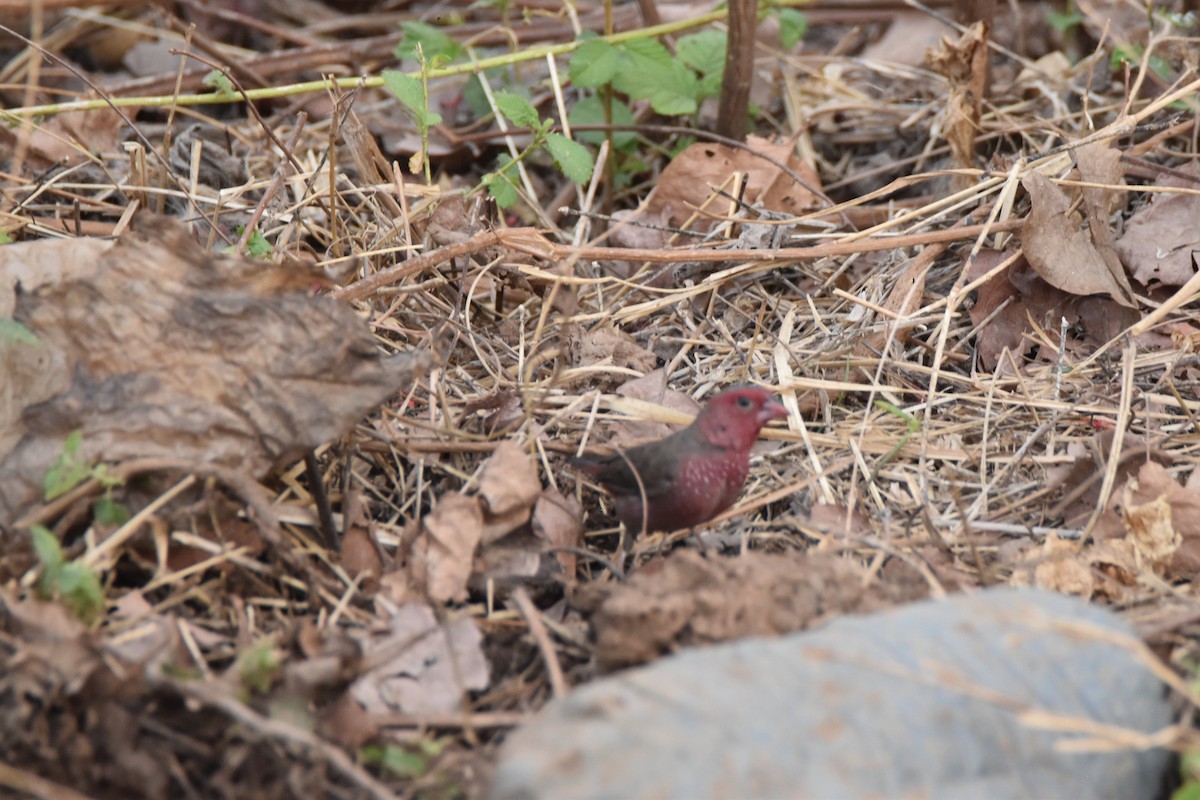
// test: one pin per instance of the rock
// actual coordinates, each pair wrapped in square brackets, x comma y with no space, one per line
[936,699]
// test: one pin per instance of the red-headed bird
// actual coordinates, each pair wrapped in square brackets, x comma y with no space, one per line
[695,473]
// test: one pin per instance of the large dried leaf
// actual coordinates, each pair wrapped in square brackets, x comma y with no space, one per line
[442,555]
[1061,252]
[421,667]
[1160,238]
[154,347]
[690,178]
[509,480]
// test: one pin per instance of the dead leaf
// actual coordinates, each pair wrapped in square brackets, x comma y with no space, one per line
[146,353]
[687,182]
[1018,295]
[442,554]
[604,346]
[904,298]
[1059,250]
[1154,538]
[910,34]
[360,556]
[964,64]
[423,667]
[651,387]
[836,520]
[1061,567]
[509,480]
[72,137]
[1161,239]
[558,522]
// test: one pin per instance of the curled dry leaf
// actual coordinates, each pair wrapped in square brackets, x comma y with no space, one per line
[964,64]
[154,347]
[612,347]
[1160,518]
[689,180]
[1017,294]
[509,480]
[1154,538]
[1060,565]
[1060,251]
[420,666]
[442,555]
[558,522]
[651,387]
[1159,242]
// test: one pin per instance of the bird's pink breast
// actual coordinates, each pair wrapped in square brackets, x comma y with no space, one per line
[704,486]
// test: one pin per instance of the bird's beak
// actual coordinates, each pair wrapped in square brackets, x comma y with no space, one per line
[771,410]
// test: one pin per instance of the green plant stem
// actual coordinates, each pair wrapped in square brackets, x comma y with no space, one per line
[210,98]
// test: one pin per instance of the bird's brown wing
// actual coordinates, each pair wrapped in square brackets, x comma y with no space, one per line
[657,465]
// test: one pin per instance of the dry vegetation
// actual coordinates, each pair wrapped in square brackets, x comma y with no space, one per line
[968,276]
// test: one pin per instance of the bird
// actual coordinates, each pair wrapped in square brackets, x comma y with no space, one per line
[692,475]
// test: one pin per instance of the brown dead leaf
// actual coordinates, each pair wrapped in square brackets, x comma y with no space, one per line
[904,298]
[1018,295]
[73,137]
[421,666]
[360,556]
[1154,538]
[651,387]
[964,64]
[836,520]
[558,522]
[690,178]
[348,723]
[443,552]
[1059,250]
[147,354]
[1059,566]
[605,346]
[1161,239]
[909,36]
[509,480]
[1115,568]
[1100,163]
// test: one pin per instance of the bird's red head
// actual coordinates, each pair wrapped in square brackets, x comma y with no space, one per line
[734,417]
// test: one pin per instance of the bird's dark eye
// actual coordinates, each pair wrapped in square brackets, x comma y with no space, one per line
[744,402]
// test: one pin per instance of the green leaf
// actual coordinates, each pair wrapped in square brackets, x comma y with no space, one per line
[219,82]
[590,111]
[710,85]
[432,40]
[410,91]
[571,157]
[650,73]
[67,471]
[81,591]
[518,110]
[792,27]
[47,548]
[502,189]
[1063,21]
[5,237]
[13,331]
[500,184]
[593,64]
[1188,791]
[703,51]
[398,760]
[257,245]
[259,665]
[107,511]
